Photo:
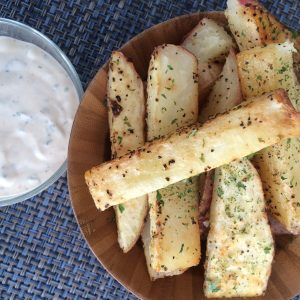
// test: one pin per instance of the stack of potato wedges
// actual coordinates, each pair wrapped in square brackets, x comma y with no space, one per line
[209,150]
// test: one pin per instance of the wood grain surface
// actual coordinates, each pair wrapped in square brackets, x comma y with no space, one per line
[89,146]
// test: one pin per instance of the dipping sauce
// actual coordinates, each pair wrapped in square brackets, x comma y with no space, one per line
[38,102]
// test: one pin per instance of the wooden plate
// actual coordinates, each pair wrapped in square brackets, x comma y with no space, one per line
[89,146]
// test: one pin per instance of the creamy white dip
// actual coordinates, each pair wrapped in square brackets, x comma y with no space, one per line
[37,104]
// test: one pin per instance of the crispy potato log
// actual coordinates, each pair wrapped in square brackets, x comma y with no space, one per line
[252,25]
[208,41]
[226,92]
[146,242]
[262,70]
[126,111]
[172,90]
[240,246]
[172,103]
[194,149]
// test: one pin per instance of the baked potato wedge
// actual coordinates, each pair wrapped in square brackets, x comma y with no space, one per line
[296,57]
[230,270]
[263,69]
[126,113]
[194,149]
[210,43]
[240,246]
[172,103]
[146,236]
[208,73]
[174,226]
[172,89]
[226,92]
[279,169]
[252,25]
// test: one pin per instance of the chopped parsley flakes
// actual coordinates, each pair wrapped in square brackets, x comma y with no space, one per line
[121,208]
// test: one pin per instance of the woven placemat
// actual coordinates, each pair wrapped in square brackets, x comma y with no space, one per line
[42,253]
